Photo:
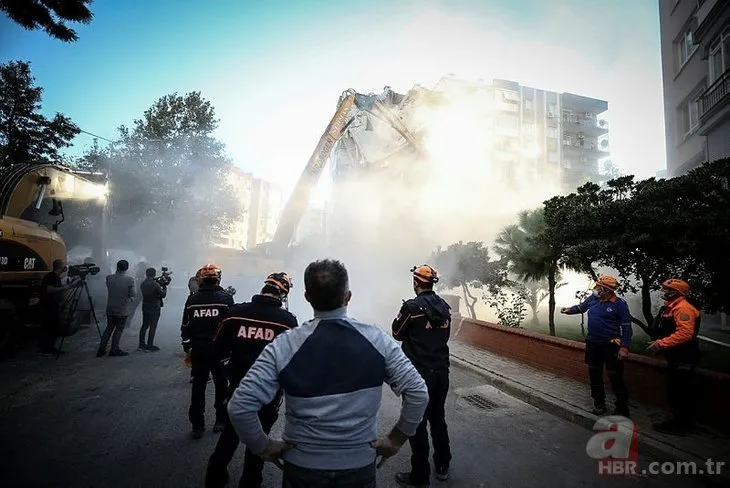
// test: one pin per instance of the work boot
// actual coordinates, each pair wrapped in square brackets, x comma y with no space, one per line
[100,353]
[216,478]
[118,353]
[143,347]
[153,348]
[404,479]
[442,473]
[599,409]
[198,432]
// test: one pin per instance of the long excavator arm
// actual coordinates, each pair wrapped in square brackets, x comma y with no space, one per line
[298,202]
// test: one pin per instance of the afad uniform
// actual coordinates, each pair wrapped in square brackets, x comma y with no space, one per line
[679,324]
[244,333]
[203,314]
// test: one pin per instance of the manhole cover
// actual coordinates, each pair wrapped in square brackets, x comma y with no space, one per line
[480,402]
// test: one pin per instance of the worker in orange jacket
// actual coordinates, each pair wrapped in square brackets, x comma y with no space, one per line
[674,335]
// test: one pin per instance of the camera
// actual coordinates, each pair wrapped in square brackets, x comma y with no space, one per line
[166,277]
[230,290]
[83,270]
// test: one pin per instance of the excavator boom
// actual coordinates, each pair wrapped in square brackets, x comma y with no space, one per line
[299,199]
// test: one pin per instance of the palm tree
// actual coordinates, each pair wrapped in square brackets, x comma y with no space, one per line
[530,255]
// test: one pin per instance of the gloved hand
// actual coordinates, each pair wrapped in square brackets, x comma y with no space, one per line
[186,346]
[623,353]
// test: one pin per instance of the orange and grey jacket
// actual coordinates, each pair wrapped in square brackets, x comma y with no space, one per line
[678,324]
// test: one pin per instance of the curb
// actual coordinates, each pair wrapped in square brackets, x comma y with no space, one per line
[555,406]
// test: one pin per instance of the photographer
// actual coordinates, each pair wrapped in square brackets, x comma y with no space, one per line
[153,291]
[52,292]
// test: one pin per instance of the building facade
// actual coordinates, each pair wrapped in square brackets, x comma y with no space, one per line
[266,207]
[695,51]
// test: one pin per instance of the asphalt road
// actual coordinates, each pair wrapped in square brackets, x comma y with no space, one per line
[84,421]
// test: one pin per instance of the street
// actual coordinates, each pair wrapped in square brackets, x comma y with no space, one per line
[84,421]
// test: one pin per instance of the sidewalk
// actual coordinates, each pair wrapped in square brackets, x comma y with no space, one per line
[571,400]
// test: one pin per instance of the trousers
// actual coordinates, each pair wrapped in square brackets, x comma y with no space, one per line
[205,361]
[150,318]
[114,329]
[298,477]
[253,466]
[437,382]
[597,355]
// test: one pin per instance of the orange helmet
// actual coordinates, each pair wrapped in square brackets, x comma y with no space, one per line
[425,274]
[680,286]
[608,282]
[210,271]
[281,281]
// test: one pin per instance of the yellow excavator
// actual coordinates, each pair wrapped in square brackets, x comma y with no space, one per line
[270,256]
[29,241]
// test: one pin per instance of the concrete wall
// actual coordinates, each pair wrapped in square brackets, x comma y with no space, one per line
[679,84]
[718,141]
[646,377]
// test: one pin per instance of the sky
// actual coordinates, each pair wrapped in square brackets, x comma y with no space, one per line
[274,69]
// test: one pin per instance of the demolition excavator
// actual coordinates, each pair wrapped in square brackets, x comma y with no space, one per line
[29,241]
[258,262]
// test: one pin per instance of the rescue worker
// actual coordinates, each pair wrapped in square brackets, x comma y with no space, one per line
[152,295]
[423,325]
[245,331]
[607,342]
[675,337]
[203,313]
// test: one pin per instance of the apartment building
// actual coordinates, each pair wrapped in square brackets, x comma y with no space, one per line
[266,207]
[695,52]
[240,184]
[560,139]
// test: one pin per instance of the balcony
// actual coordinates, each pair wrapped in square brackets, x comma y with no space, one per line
[590,126]
[715,97]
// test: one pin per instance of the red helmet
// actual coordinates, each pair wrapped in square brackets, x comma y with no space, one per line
[425,274]
[280,281]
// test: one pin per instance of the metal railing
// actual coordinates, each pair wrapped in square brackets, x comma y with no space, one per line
[715,93]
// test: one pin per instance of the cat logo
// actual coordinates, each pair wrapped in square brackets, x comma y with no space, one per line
[206,312]
[247,332]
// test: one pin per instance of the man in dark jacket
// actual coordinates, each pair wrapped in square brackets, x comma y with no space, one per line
[244,332]
[424,326]
[152,295]
[203,313]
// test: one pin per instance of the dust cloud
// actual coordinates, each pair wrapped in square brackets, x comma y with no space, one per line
[392,207]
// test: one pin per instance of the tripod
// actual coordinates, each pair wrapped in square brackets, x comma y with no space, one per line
[71,304]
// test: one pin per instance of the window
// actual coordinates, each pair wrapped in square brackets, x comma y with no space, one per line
[690,112]
[551,109]
[719,59]
[685,47]
[552,132]
[528,105]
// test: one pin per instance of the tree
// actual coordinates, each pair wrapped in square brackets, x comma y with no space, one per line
[49,15]
[535,292]
[509,301]
[169,177]
[467,266]
[529,248]
[27,136]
